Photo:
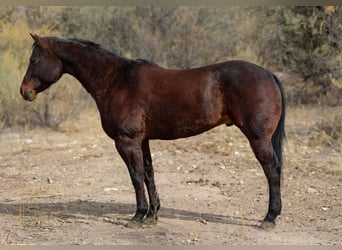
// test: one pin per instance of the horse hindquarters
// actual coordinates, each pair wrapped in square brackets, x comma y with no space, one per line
[262,121]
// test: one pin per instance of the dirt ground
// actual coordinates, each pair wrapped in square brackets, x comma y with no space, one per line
[70,187]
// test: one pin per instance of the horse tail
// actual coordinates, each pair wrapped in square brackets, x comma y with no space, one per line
[279,134]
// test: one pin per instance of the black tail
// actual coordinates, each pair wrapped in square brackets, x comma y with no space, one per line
[279,135]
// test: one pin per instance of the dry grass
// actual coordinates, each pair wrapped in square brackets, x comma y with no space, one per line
[314,135]
[328,132]
[317,126]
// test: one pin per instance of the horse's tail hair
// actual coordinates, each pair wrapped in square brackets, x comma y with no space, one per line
[279,134]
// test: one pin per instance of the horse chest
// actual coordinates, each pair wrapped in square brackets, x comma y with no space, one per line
[122,122]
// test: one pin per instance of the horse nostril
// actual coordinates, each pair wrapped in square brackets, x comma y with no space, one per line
[27,95]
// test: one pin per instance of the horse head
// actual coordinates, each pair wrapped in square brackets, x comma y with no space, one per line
[44,69]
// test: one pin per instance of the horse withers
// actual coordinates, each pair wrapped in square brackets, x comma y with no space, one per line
[139,101]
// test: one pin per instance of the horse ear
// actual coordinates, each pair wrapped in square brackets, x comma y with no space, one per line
[39,41]
[35,38]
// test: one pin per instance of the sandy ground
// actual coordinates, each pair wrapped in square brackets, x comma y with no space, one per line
[71,187]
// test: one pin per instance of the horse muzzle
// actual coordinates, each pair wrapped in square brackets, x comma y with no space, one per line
[28,88]
[28,95]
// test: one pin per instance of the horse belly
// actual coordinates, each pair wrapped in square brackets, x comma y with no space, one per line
[169,131]
[180,119]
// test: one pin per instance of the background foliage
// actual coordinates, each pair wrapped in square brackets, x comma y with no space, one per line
[300,44]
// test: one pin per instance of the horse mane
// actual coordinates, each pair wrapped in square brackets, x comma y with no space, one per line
[85,42]
[98,46]
[93,44]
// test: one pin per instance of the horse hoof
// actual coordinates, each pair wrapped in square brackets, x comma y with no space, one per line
[267,225]
[133,224]
[150,220]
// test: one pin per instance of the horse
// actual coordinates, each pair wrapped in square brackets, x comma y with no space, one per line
[140,101]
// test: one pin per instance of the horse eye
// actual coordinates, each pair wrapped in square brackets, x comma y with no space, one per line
[34,60]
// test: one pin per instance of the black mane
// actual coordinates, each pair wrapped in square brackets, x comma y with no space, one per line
[85,42]
[90,43]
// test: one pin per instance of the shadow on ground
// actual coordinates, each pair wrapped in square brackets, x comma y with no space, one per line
[97,210]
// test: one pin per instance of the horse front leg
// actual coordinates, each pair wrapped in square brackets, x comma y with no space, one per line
[131,152]
[151,217]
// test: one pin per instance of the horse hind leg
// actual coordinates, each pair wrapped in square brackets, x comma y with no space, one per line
[264,152]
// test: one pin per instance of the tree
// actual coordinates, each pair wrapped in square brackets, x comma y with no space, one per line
[306,41]
[311,43]
[200,36]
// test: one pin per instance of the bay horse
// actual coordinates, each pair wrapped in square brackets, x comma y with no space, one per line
[139,101]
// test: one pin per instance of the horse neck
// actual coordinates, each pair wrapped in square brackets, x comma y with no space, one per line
[93,67]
